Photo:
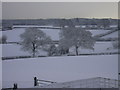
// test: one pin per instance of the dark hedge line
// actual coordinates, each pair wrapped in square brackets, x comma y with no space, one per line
[21,57]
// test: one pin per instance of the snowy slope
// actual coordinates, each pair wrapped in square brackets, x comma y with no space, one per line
[53,33]
[112,35]
[14,35]
[15,50]
[12,50]
[59,69]
[97,32]
[99,47]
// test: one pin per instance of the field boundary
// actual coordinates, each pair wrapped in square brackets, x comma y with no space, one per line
[22,57]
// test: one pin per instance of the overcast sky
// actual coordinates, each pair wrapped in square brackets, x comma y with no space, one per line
[37,10]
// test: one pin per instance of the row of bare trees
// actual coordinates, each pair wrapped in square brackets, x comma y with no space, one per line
[33,39]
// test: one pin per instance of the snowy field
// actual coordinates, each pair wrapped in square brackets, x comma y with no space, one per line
[112,35]
[59,69]
[12,50]
[15,49]
[99,47]
[97,32]
[14,35]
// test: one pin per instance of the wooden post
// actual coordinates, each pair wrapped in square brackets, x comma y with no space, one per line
[15,86]
[35,81]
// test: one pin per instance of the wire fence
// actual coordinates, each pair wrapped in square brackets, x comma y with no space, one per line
[97,82]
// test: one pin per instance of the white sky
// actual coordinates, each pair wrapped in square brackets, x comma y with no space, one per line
[37,10]
[60,0]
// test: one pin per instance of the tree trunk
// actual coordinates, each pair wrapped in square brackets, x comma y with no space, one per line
[33,49]
[67,51]
[33,54]
[76,47]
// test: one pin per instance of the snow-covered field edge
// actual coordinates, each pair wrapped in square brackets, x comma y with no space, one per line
[42,56]
[62,69]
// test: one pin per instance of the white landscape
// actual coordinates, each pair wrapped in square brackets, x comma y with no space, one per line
[100,47]
[60,45]
[14,36]
[58,69]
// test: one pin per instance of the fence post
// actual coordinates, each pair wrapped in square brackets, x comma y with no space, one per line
[35,81]
[15,86]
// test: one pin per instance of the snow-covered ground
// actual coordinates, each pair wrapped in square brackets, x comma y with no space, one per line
[97,32]
[14,35]
[59,69]
[112,35]
[15,49]
[99,47]
[53,33]
[12,50]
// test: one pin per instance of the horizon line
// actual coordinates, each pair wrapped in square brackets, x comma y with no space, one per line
[62,18]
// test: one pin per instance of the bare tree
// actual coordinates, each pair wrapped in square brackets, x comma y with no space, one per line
[33,40]
[77,38]
[52,50]
[105,23]
[3,39]
[116,44]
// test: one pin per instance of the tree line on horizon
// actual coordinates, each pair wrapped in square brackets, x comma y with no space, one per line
[60,22]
